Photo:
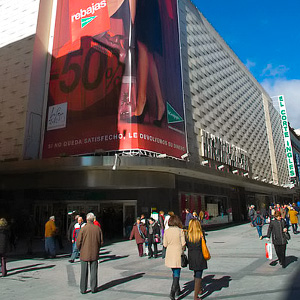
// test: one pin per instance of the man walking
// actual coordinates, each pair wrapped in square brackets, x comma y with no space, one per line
[50,231]
[89,240]
[77,228]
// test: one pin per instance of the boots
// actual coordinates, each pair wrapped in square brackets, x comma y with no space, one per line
[177,286]
[197,288]
[173,288]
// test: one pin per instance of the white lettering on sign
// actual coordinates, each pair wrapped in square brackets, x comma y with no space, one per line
[216,149]
[286,135]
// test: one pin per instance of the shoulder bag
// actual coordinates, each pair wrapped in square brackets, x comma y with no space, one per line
[205,250]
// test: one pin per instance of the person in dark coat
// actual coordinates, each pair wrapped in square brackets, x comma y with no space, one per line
[71,228]
[188,217]
[139,232]
[197,263]
[4,244]
[153,235]
[277,228]
[89,241]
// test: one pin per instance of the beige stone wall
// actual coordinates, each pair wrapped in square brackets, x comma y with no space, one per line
[17,30]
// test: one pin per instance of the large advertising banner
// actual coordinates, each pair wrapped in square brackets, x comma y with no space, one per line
[115,79]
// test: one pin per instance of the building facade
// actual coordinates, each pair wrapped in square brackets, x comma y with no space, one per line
[219,149]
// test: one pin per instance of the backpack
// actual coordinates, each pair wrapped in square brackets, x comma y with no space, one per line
[259,221]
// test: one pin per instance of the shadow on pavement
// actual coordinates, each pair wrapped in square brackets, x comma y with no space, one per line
[28,269]
[290,259]
[210,285]
[294,288]
[110,257]
[116,282]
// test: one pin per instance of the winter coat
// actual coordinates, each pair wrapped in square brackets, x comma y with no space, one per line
[4,240]
[156,231]
[174,241]
[195,256]
[50,229]
[89,240]
[293,216]
[276,228]
[70,230]
[135,233]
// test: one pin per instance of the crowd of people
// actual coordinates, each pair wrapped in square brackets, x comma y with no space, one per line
[173,234]
[280,218]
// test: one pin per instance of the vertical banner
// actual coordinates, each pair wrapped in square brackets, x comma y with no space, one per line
[286,135]
[115,79]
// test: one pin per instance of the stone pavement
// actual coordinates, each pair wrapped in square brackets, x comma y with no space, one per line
[238,269]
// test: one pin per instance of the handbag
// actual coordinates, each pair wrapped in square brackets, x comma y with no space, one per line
[205,250]
[184,261]
[287,235]
[157,239]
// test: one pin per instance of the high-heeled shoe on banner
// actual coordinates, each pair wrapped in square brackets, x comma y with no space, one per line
[158,122]
[114,43]
[140,118]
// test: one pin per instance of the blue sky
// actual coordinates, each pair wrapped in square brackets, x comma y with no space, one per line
[265,36]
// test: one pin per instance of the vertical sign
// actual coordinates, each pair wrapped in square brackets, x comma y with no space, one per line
[286,135]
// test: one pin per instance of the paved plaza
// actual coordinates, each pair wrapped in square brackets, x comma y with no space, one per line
[238,269]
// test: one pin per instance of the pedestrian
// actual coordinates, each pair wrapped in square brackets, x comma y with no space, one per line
[50,232]
[174,242]
[278,228]
[96,222]
[167,218]
[4,245]
[161,223]
[294,219]
[195,216]
[201,215]
[71,228]
[153,238]
[139,232]
[197,263]
[188,217]
[77,228]
[251,215]
[89,241]
[258,222]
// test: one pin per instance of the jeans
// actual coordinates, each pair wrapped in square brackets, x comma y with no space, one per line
[259,230]
[176,272]
[198,274]
[50,246]
[75,252]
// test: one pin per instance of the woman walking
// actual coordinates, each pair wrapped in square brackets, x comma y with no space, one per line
[174,241]
[139,232]
[4,242]
[278,228]
[197,263]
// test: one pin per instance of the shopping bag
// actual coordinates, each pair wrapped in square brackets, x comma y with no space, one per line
[268,247]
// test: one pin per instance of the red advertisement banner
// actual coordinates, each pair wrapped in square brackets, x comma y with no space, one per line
[115,79]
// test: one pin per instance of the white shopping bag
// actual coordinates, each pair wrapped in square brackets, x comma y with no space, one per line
[268,247]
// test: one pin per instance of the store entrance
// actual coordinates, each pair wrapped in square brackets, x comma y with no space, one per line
[110,214]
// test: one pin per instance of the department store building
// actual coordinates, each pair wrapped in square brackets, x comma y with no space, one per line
[208,137]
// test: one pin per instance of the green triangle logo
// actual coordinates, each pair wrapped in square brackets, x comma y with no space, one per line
[85,21]
[172,115]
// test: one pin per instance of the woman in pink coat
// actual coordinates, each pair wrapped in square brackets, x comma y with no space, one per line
[139,232]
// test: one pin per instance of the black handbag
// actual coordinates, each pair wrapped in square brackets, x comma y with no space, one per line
[184,261]
[287,235]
